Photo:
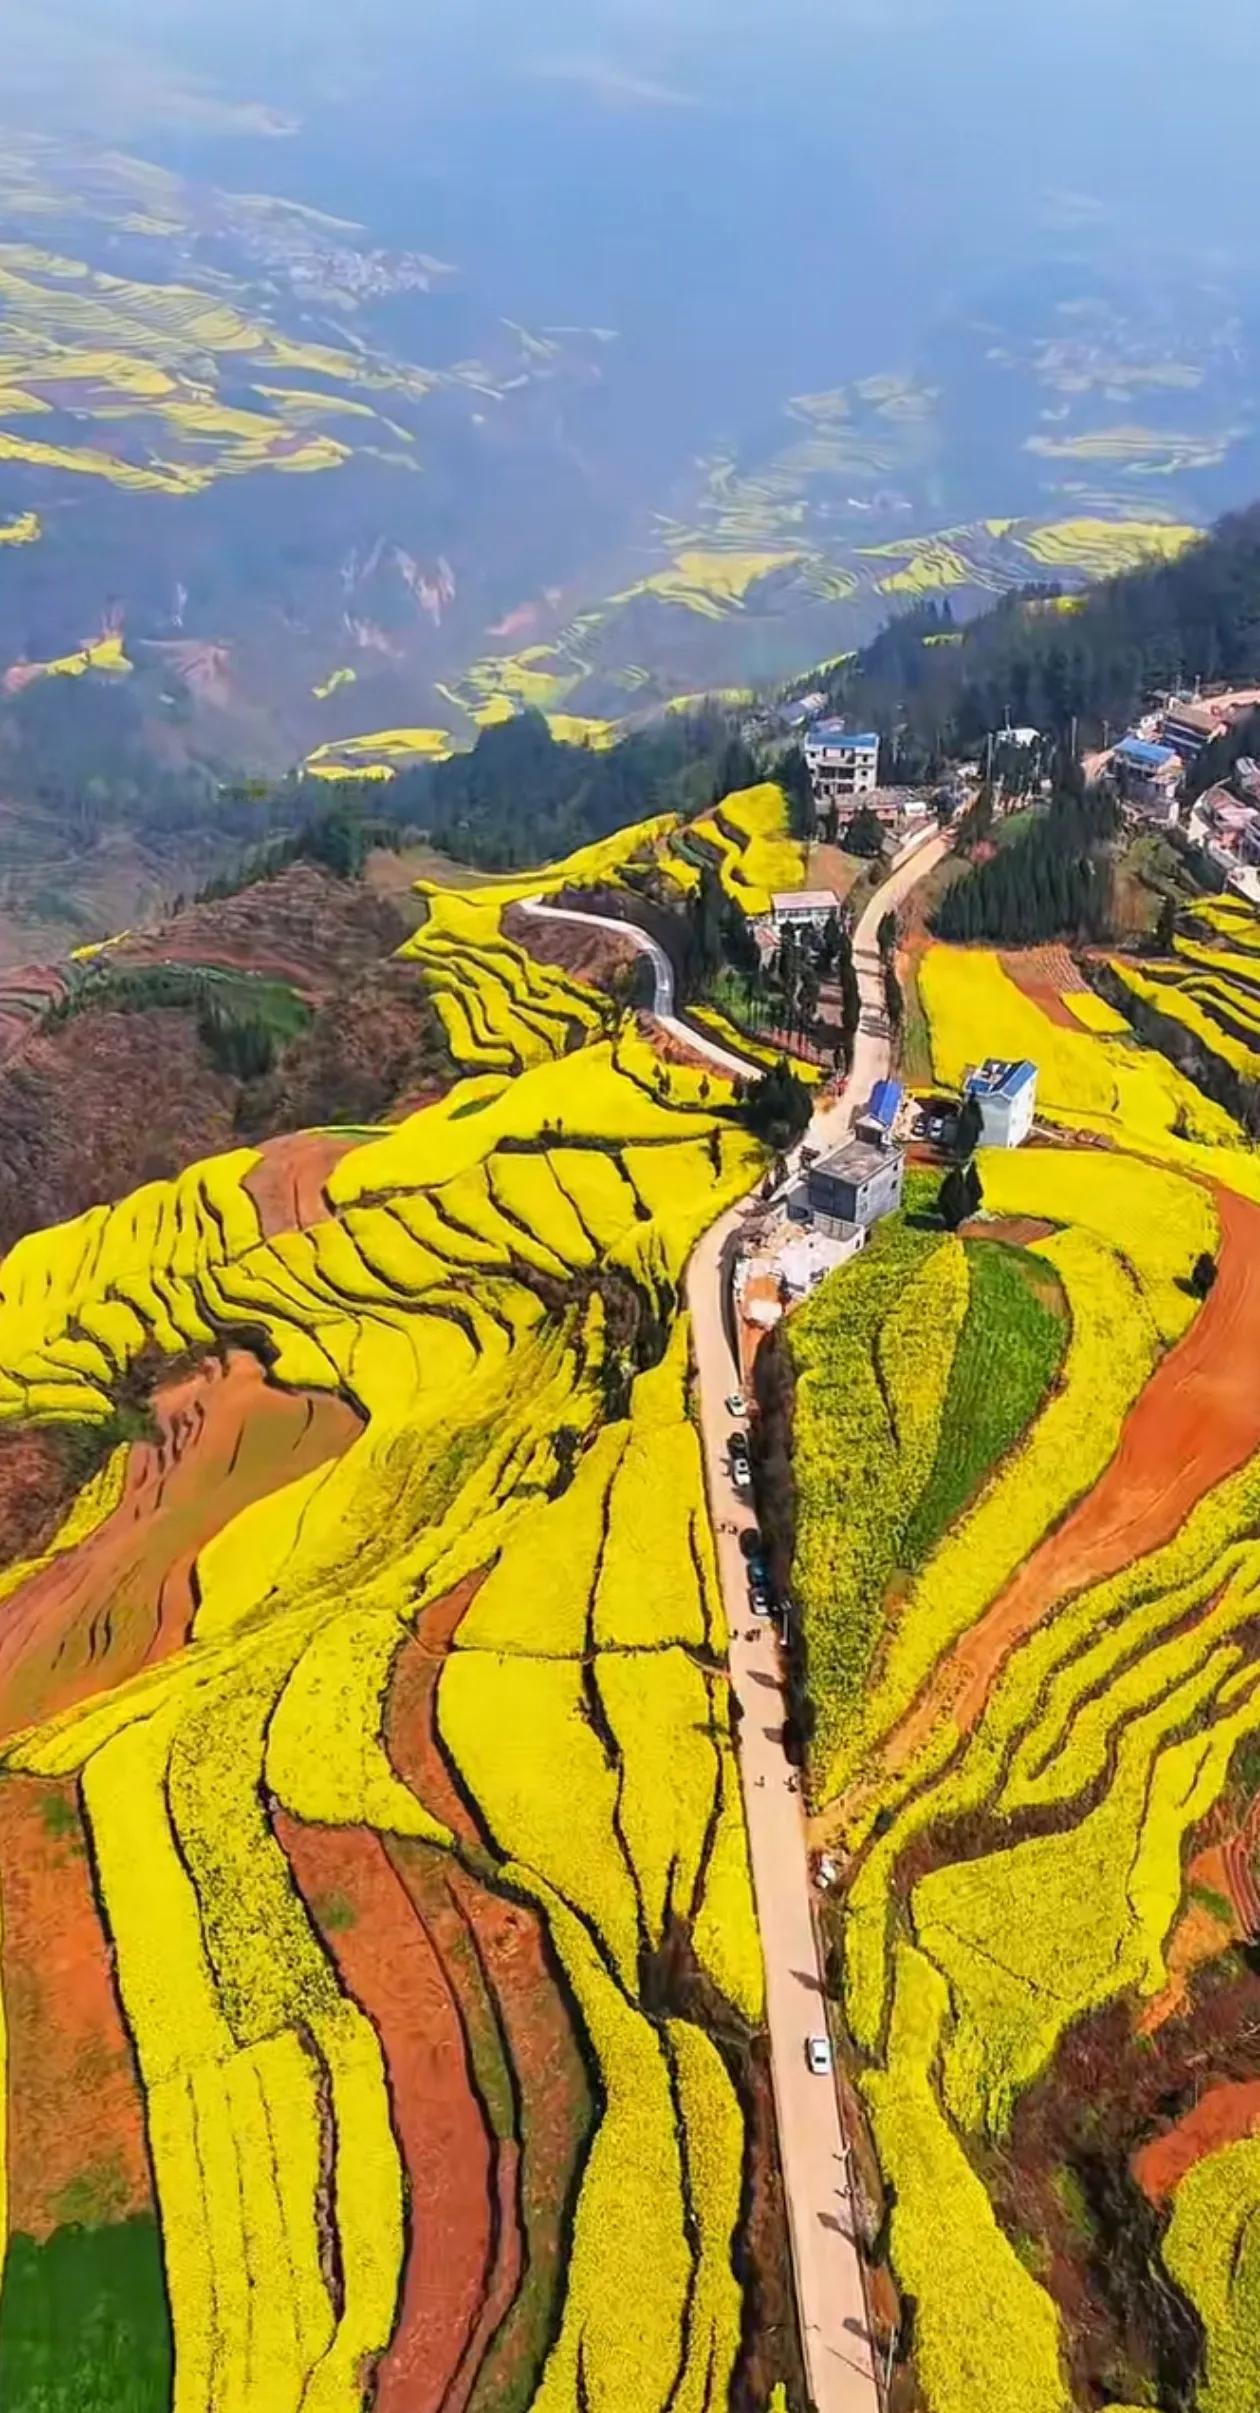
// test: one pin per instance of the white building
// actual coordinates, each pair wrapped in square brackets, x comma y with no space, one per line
[797,908]
[843,764]
[1148,774]
[1006,1094]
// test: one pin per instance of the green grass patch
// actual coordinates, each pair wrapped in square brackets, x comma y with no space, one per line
[84,2326]
[244,1018]
[1009,1353]
[335,1913]
[872,1351]
[1218,1907]
[916,1036]
[59,1817]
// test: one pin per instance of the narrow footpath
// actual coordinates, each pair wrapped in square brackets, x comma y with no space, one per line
[839,2355]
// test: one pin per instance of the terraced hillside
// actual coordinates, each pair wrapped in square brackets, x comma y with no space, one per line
[1027,1481]
[382,1998]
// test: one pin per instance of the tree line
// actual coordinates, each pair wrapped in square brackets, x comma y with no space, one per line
[1029,661]
[1052,880]
[522,796]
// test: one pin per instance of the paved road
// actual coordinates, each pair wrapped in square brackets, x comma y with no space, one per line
[663,972]
[838,2353]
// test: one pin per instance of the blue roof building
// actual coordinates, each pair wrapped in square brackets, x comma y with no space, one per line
[843,762]
[1006,1093]
[880,1119]
[1141,754]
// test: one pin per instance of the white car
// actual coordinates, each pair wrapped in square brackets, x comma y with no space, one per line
[737,1405]
[818,2055]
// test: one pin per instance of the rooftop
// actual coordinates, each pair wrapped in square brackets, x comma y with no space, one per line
[1145,755]
[999,1077]
[811,900]
[857,1162]
[834,733]
[1202,718]
[886,1099]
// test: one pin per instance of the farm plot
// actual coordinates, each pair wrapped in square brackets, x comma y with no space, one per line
[364,1749]
[747,835]
[1057,1722]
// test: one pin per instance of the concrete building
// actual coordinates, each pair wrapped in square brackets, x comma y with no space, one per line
[801,711]
[1006,1094]
[877,1125]
[843,764]
[855,1186]
[797,908]
[1226,829]
[1148,774]
[1190,723]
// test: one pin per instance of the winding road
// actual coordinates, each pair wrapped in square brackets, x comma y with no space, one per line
[663,971]
[826,2257]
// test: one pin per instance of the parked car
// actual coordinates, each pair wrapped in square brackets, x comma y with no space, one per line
[759,1600]
[818,2055]
[737,1405]
[737,1445]
[741,1474]
[750,1542]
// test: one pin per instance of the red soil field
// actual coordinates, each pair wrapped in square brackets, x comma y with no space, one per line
[555,2110]
[124,1598]
[1196,1422]
[426,1874]
[76,2143]
[595,956]
[389,1964]
[302,926]
[1019,1231]
[1044,974]
[288,1186]
[1225,2114]
[411,1737]
[37,1486]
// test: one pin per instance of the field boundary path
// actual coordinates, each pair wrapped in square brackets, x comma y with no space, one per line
[827,2261]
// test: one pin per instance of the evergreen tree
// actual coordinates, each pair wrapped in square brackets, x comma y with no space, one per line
[864,834]
[968,1129]
[777,1107]
[808,996]
[1203,1275]
[793,776]
[850,997]
[973,1187]
[952,1200]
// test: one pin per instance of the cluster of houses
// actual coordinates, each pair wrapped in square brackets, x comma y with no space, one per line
[844,1194]
[1150,763]
[843,766]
